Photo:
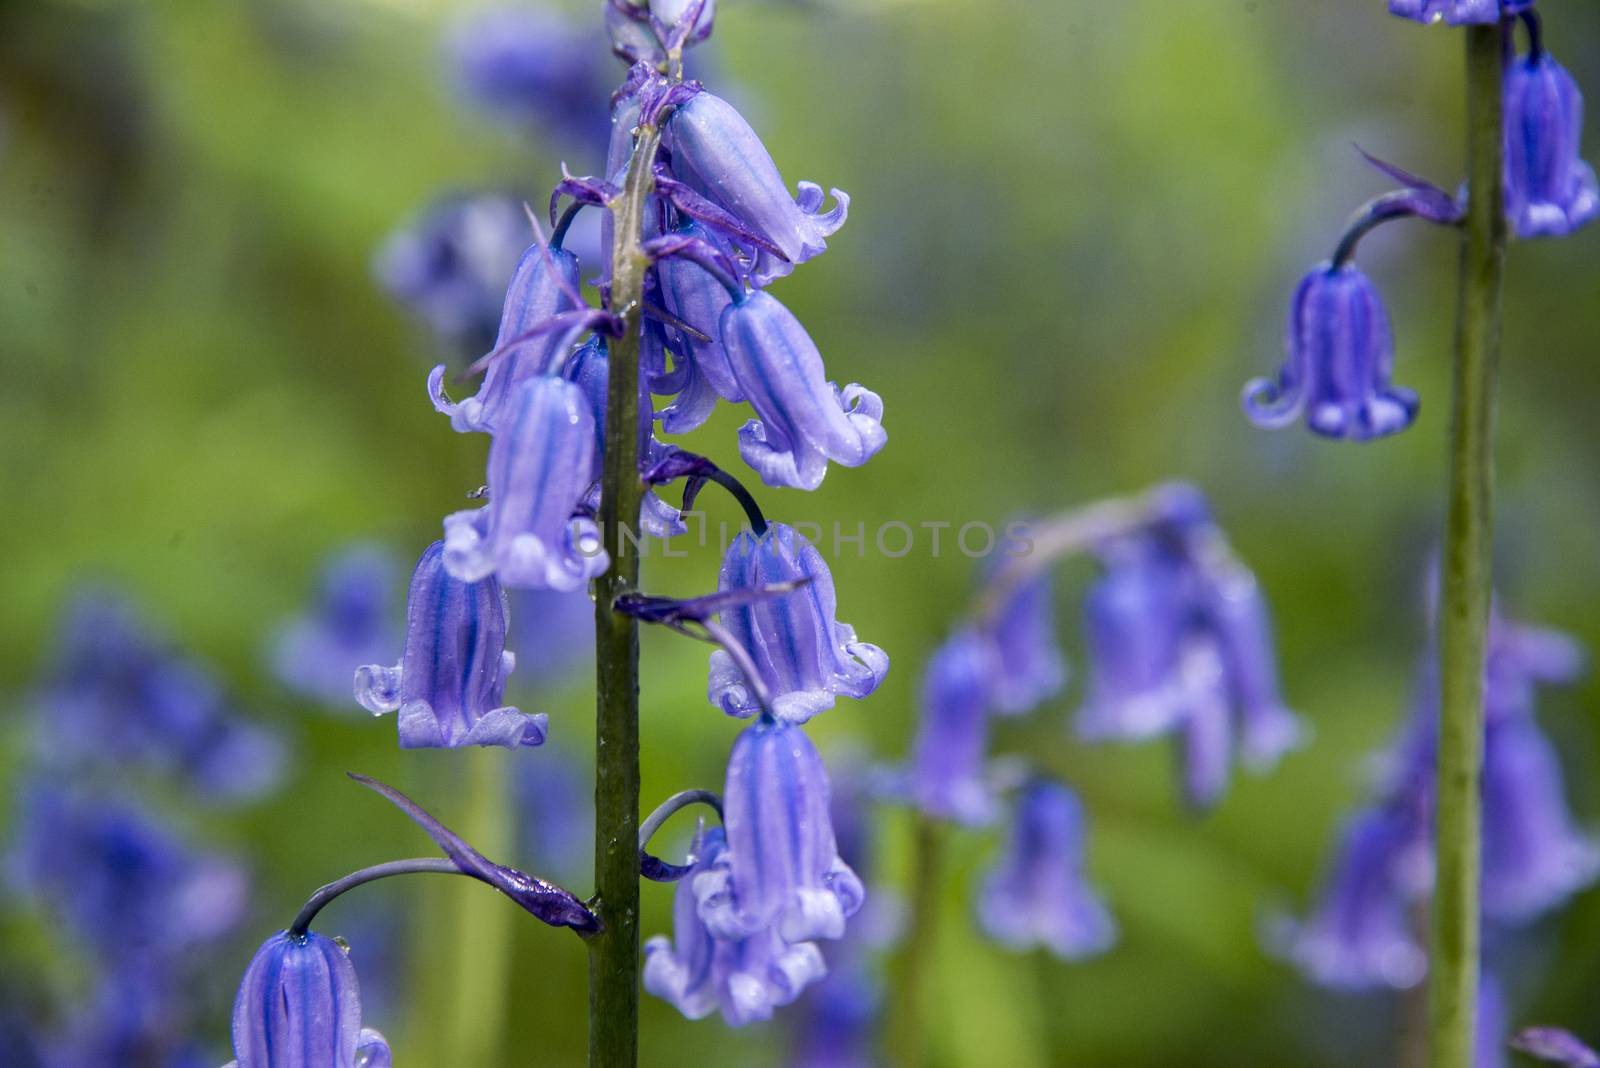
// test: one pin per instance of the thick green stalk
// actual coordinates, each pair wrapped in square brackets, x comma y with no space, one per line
[1466,580]
[614,953]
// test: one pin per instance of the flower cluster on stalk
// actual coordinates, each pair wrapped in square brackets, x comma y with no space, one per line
[1179,645]
[1337,373]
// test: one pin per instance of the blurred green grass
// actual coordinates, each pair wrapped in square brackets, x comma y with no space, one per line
[1074,229]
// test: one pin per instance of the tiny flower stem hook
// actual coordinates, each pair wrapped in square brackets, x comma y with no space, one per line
[653,867]
[1535,27]
[326,894]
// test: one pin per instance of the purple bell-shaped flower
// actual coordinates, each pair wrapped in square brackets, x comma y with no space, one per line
[449,683]
[1550,190]
[946,774]
[541,465]
[782,869]
[805,656]
[1457,12]
[1037,894]
[299,1006]
[1340,359]
[805,420]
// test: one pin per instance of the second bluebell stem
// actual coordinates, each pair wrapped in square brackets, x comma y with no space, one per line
[614,953]
[1466,568]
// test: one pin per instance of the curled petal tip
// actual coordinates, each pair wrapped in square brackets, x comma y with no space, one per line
[1268,405]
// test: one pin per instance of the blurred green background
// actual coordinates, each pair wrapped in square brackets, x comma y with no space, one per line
[1074,231]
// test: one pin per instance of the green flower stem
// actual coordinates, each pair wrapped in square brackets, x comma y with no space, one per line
[909,1017]
[614,953]
[1465,576]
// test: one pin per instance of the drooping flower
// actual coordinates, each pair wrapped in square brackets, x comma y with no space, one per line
[1029,667]
[1360,935]
[782,869]
[450,681]
[542,287]
[1037,895]
[715,150]
[540,469]
[450,265]
[805,420]
[1550,190]
[1340,359]
[351,622]
[1534,858]
[299,1006]
[1238,612]
[1555,1046]
[531,65]
[1135,616]
[947,759]
[1457,12]
[745,977]
[837,1020]
[805,656]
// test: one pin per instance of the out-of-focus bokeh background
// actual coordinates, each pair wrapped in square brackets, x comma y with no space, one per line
[1075,226]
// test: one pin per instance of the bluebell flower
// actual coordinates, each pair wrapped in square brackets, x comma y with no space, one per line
[1550,190]
[1534,858]
[1038,895]
[1205,728]
[1555,1046]
[118,696]
[1135,618]
[948,756]
[782,869]
[805,656]
[805,420]
[1340,358]
[1029,666]
[745,977]
[1237,611]
[450,265]
[118,879]
[450,680]
[353,620]
[1458,12]
[715,150]
[1360,935]
[532,65]
[541,465]
[299,1006]
[544,285]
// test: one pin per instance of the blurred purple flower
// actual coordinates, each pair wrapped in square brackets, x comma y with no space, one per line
[805,420]
[352,620]
[299,1006]
[782,869]
[119,880]
[1359,936]
[450,264]
[451,678]
[554,635]
[531,65]
[1340,359]
[117,696]
[805,656]
[837,1022]
[745,977]
[1037,894]
[1550,190]
[1029,667]
[540,469]
[1457,12]
[555,813]
[946,773]
[1556,1046]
